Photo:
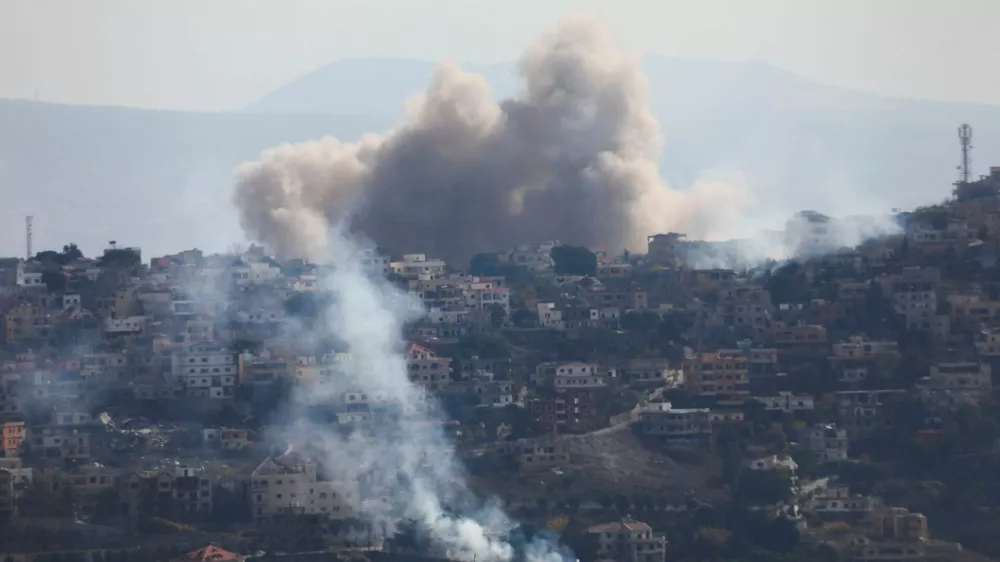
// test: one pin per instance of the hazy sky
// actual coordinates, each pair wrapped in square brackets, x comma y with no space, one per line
[224,54]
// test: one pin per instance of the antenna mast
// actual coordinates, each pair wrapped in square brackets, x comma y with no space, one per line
[27,235]
[965,138]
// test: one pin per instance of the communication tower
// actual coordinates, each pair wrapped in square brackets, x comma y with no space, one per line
[965,138]
[27,235]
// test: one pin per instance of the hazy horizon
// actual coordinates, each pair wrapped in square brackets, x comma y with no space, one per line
[173,55]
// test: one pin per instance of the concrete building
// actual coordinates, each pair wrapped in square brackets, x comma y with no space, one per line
[628,541]
[205,370]
[225,439]
[172,492]
[675,426]
[290,484]
[418,266]
[862,411]
[542,455]
[426,368]
[787,403]
[828,443]
[717,374]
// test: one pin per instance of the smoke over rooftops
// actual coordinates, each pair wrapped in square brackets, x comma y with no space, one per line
[573,157]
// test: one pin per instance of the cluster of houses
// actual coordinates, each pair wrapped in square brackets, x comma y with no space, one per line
[94,348]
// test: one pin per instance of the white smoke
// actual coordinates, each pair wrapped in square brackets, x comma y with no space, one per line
[407,460]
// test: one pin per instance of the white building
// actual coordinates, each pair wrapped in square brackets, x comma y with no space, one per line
[70,300]
[828,443]
[375,263]
[32,279]
[787,403]
[290,484]
[546,373]
[480,295]
[628,541]
[964,376]
[838,501]
[418,266]
[858,347]
[809,233]
[549,317]
[774,462]
[578,377]
[205,370]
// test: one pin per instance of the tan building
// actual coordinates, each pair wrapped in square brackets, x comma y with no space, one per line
[628,541]
[14,434]
[291,483]
[26,322]
[426,368]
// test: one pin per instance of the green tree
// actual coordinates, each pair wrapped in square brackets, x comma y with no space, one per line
[640,321]
[55,280]
[522,318]
[485,264]
[71,252]
[125,258]
[763,487]
[574,260]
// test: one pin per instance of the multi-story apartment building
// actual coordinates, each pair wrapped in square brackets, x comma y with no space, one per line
[828,443]
[862,411]
[290,484]
[788,335]
[205,370]
[424,367]
[173,492]
[418,266]
[860,348]
[676,426]
[541,455]
[628,541]
[717,373]
[787,403]
[572,409]
[762,364]
[14,435]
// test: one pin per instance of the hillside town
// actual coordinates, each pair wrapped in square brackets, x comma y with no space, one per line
[675,405]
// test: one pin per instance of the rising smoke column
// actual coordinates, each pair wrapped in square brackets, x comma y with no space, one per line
[572,158]
[409,460]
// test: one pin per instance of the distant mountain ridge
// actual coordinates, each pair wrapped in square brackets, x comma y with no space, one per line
[160,180]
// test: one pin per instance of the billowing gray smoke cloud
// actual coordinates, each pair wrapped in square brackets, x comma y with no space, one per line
[573,158]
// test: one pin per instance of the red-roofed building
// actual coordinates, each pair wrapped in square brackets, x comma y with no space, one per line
[424,367]
[210,552]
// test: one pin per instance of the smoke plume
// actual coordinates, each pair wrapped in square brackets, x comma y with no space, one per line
[401,463]
[572,158]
